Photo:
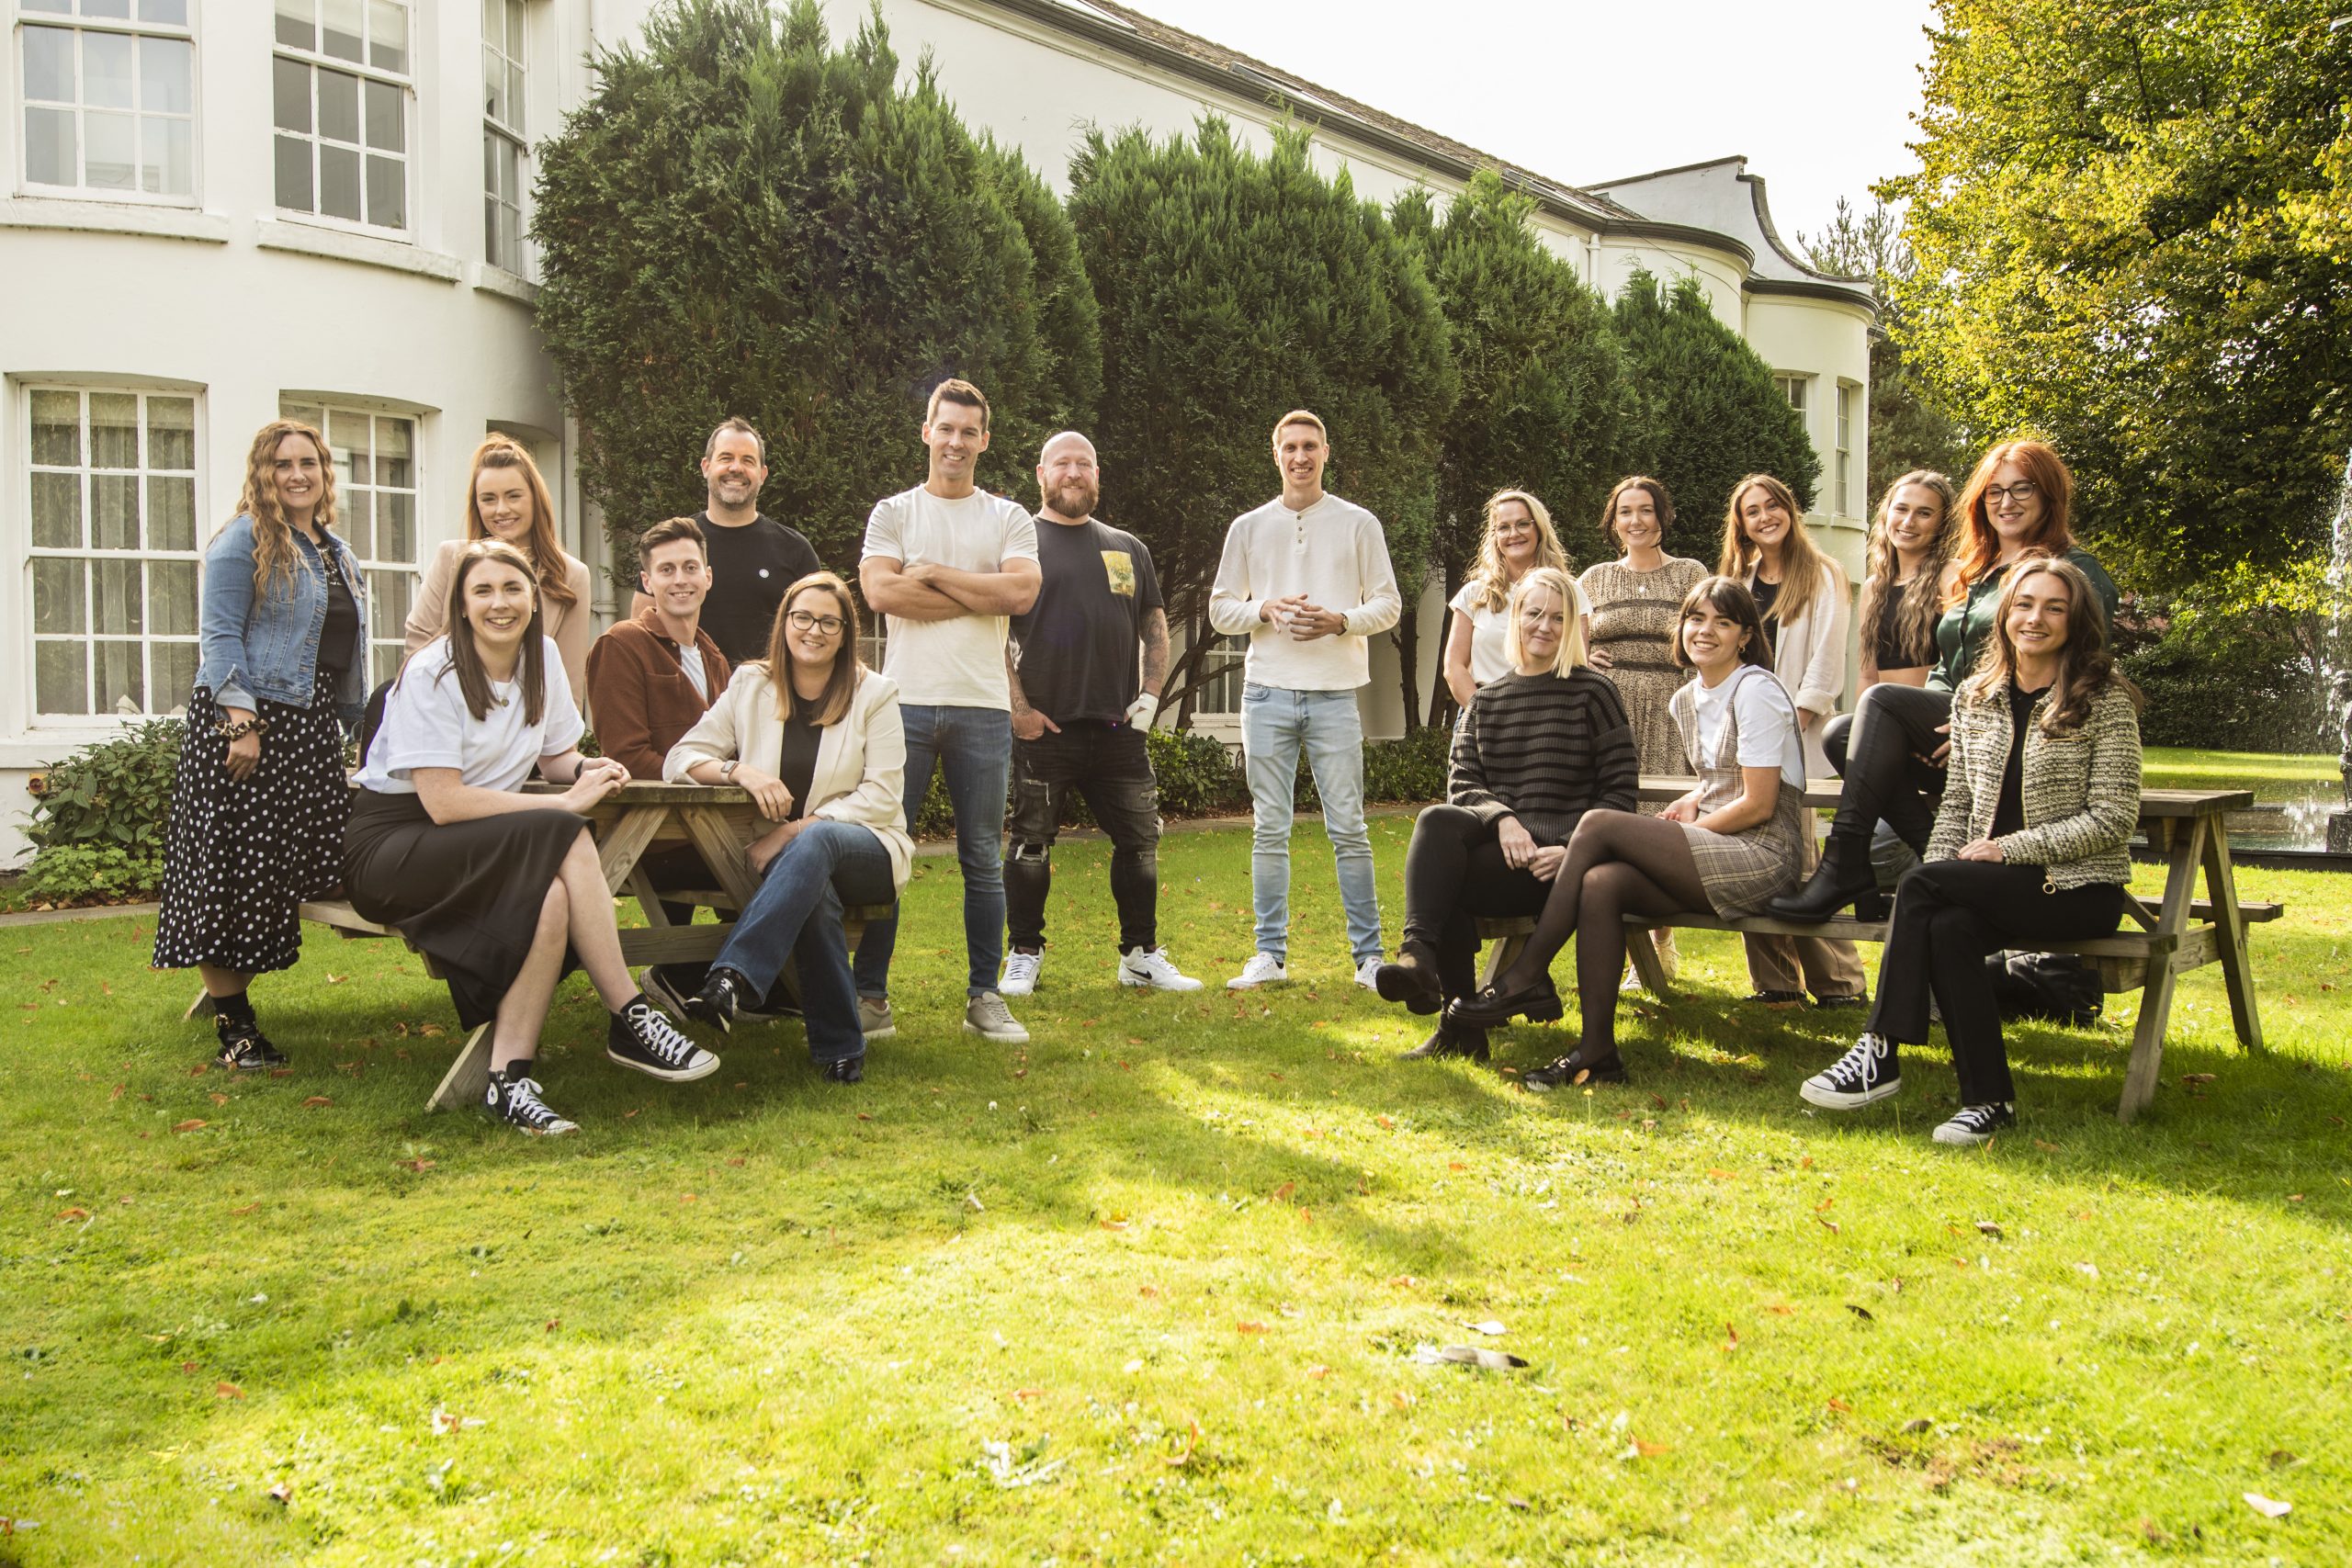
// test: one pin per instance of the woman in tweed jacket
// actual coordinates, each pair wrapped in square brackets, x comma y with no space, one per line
[2028,846]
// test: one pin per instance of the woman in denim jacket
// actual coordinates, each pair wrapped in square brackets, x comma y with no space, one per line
[260,800]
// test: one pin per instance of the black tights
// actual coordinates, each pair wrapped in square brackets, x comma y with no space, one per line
[1618,863]
[1880,754]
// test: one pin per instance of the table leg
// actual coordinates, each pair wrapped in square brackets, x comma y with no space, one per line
[2140,1079]
[1641,947]
[617,852]
[1501,954]
[2222,892]
[649,897]
[468,1079]
[723,854]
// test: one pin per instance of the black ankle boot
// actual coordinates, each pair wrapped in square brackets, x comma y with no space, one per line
[1411,980]
[1845,877]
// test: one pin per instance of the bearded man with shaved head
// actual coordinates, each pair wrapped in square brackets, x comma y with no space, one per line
[1086,664]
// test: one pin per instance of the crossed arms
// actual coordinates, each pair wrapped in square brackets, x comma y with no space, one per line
[929,592]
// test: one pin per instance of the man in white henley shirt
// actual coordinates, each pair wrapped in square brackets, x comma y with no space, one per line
[1307,579]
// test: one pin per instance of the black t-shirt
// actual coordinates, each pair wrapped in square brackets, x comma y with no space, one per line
[1080,641]
[339,638]
[2009,812]
[797,765]
[749,568]
[1767,595]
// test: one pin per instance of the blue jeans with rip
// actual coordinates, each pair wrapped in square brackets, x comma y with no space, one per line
[797,916]
[973,750]
[1276,724]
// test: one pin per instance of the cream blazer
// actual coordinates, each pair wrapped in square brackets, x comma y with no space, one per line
[572,626]
[861,762]
[1811,659]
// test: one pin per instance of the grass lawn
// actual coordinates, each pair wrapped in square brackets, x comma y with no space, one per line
[1149,1289]
[2273,776]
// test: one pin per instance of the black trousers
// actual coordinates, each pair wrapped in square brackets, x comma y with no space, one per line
[1950,915]
[1878,753]
[1454,873]
[1111,769]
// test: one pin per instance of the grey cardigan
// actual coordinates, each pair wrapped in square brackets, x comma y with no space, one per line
[2081,791]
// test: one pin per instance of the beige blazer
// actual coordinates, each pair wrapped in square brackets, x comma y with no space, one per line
[861,762]
[1811,659]
[573,625]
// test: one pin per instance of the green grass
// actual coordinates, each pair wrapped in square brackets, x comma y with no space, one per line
[1173,1257]
[2272,776]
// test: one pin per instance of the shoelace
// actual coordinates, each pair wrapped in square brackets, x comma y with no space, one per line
[653,1030]
[1978,1118]
[1860,1066]
[524,1104]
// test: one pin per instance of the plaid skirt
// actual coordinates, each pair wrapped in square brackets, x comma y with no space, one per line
[1743,872]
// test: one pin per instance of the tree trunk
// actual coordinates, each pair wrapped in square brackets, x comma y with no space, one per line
[1407,637]
[1440,695]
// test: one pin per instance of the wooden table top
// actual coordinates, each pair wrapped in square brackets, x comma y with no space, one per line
[2155,804]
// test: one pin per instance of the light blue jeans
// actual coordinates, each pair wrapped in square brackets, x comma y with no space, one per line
[1275,725]
[972,749]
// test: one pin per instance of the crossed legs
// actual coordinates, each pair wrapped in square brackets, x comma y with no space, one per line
[576,914]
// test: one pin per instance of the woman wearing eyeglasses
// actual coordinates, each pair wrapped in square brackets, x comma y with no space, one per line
[2015,507]
[817,740]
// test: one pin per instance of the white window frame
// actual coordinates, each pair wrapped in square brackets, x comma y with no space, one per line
[24,15]
[387,631]
[512,133]
[314,60]
[162,698]
[1845,448]
[1794,388]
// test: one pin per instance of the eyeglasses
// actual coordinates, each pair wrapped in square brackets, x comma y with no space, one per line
[801,621]
[2020,492]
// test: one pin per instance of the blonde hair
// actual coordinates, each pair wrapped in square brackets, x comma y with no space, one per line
[1300,416]
[1492,579]
[1800,559]
[1915,622]
[1571,656]
[832,705]
[274,553]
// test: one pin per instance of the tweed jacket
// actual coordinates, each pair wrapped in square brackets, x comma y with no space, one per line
[2081,792]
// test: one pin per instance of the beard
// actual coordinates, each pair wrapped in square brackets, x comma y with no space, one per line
[734,492]
[1074,498]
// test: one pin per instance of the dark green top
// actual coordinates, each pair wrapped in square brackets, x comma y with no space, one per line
[1961,634]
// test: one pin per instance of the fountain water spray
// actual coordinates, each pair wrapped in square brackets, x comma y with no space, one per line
[2339,656]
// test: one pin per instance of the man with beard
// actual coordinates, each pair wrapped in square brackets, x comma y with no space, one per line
[753,559]
[1080,710]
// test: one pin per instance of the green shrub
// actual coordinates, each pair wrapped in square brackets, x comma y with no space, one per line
[2227,687]
[99,826]
[1411,770]
[1198,777]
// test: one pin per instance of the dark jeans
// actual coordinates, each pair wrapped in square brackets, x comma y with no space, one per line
[1949,916]
[973,750]
[1111,769]
[1878,754]
[797,915]
[1453,873]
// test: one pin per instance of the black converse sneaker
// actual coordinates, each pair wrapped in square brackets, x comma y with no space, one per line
[514,1100]
[721,998]
[1866,1073]
[244,1048]
[642,1036]
[1976,1123]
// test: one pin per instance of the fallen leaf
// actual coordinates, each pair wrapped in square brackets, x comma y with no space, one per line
[419,1165]
[433,1032]
[191,1125]
[685,1197]
[2045,1147]
[72,1213]
[1318,1372]
[1384,1121]
[227,1390]
[1828,1223]
[1839,1405]
[554,1324]
[247,1209]
[737,1160]
[1862,1311]
[1455,1165]
[281,1494]
[187,1366]
[1720,1175]
[2204,1078]
[1732,1342]
[2269,1507]
[1251,1328]
[443,1423]
[318,1100]
[1192,1441]
[1404,1400]
[1918,1424]
[1285,1191]
[218,1098]
[1823,1207]
[1119,1223]
[1648,1450]
[1782,1308]
[337,979]
[1028,1393]
[1986,1227]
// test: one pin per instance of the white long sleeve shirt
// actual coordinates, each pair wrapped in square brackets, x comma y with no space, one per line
[1335,553]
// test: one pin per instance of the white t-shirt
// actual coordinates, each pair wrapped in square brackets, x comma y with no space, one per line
[958,662]
[426,726]
[1490,629]
[699,673]
[1767,721]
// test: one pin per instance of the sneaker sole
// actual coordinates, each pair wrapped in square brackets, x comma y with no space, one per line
[1964,1140]
[1835,1100]
[887,1031]
[667,1074]
[1144,982]
[1253,985]
[971,1027]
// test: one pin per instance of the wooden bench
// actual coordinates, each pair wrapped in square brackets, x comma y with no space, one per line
[2181,933]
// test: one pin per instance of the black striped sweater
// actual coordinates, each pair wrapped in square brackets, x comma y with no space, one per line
[1546,748]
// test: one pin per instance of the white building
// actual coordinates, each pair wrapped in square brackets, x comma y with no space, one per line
[216,212]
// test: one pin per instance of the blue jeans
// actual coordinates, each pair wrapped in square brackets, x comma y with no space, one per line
[1275,724]
[973,748]
[797,915]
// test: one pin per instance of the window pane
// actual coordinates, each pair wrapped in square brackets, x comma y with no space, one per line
[57,594]
[112,153]
[339,183]
[59,6]
[514,96]
[57,511]
[106,70]
[114,430]
[119,10]
[386,663]
[308,413]
[388,35]
[174,12]
[171,513]
[394,453]
[175,666]
[167,156]
[120,611]
[296,24]
[122,683]
[57,428]
[347,435]
[514,29]
[339,32]
[389,595]
[49,64]
[387,192]
[170,433]
[51,156]
[289,96]
[494,84]
[339,106]
[164,74]
[384,117]
[396,539]
[493,234]
[114,512]
[355,522]
[294,174]
[60,680]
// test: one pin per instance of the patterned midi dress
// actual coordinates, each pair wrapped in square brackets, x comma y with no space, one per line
[1632,623]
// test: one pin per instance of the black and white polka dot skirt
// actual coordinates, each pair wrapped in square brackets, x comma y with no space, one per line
[240,858]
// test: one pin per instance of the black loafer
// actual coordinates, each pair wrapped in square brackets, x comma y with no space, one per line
[1856,1000]
[1538,1003]
[1778,1001]
[1576,1067]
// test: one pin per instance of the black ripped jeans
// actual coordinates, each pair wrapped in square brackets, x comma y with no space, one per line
[1111,770]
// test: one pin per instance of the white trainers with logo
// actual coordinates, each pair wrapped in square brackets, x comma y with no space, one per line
[1021,973]
[1264,969]
[1368,973]
[1153,967]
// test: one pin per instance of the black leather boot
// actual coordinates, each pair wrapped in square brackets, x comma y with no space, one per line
[1845,877]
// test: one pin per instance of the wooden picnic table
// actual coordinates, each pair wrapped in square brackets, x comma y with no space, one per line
[2177,934]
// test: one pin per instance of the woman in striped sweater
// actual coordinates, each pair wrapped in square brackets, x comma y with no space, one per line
[2027,847]
[1536,751]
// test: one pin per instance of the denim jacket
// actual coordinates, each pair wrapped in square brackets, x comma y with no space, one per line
[267,646]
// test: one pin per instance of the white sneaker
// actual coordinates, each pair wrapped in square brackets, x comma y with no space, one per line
[1020,973]
[986,1016]
[1153,967]
[1367,972]
[1264,969]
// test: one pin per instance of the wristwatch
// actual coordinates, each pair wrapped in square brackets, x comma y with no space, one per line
[727,769]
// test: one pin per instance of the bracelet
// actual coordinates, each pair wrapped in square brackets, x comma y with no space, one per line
[244,728]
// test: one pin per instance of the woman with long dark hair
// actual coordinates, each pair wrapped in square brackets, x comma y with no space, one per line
[504,890]
[1727,845]
[2028,844]
[507,499]
[259,801]
[2016,505]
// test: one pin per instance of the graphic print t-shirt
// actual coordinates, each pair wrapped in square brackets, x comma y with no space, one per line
[749,568]
[1082,641]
